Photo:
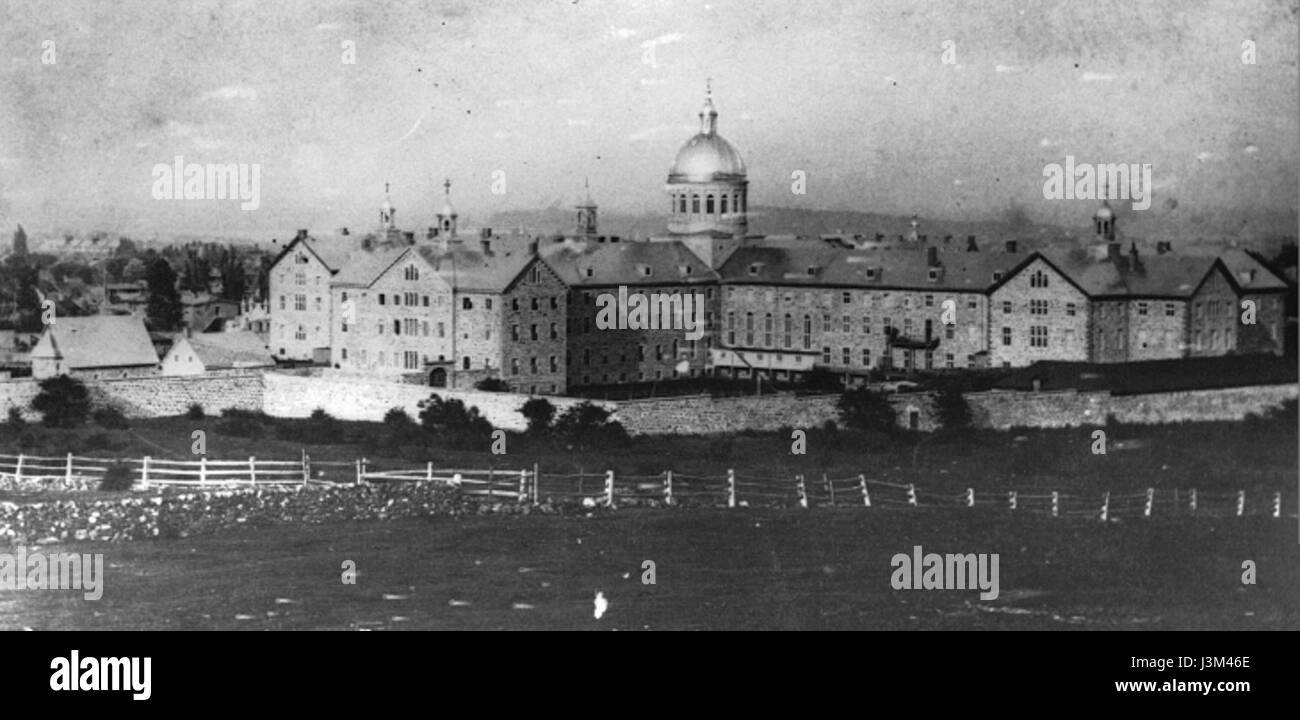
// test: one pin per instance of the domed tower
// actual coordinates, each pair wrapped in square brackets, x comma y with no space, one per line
[707,184]
[387,213]
[1104,221]
[447,215]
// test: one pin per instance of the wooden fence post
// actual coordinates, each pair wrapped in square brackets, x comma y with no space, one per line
[428,471]
[252,470]
[1277,504]
[1011,497]
[492,495]
[67,476]
[203,470]
[537,479]
[668,487]
[1241,503]
[830,488]
[970,497]
[866,497]
[609,489]
[144,472]
[18,469]
[1105,507]
[1056,503]
[359,473]
[911,494]
[731,488]
[1151,500]
[1192,503]
[803,491]
[306,467]
[523,486]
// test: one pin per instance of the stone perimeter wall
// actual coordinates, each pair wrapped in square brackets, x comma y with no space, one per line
[358,398]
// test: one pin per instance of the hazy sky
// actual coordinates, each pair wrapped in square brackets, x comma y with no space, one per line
[856,94]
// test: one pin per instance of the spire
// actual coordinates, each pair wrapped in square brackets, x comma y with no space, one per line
[708,116]
[387,211]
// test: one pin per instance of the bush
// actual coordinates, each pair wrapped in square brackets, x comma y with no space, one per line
[15,419]
[242,423]
[588,426]
[195,412]
[862,409]
[319,429]
[492,385]
[463,428]
[953,412]
[117,477]
[99,441]
[62,402]
[110,418]
[398,435]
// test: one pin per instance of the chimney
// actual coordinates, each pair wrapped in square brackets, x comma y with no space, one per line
[880,237]
[532,247]
[932,256]
[485,233]
[409,237]
[1246,277]
[971,245]
[1163,247]
[1135,263]
[947,239]
[302,235]
[487,246]
[1011,246]
[925,238]
[431,233]
[1113,253]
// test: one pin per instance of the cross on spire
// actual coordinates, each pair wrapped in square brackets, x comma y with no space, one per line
[446,186]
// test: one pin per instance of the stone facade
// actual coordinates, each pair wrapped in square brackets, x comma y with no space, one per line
[534,317]
[152,396]
[1037,314]
[611,356]
[300,304]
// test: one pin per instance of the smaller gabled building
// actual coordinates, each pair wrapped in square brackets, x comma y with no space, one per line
[95,347]
[199,353]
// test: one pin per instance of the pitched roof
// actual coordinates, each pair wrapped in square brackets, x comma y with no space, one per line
[627,263]
[801,262]
[363,267]
[1237,262]
[235,349]
[101,341]
[475,271]
[1156,275]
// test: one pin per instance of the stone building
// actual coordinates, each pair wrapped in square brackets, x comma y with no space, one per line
[95,347]
[300,296]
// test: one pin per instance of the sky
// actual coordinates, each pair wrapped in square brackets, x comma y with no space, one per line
[942,108]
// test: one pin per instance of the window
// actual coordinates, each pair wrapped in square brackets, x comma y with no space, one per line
[866,324]
[586,357]
[514,366]
[731,328]
[301,333]
[949,361]
[826,356]
[412,299]
[749,329]
[866,357]
[381,298]
[300,278]
[1006,307]
[1038,279]
[767,330]
[299,302]
[1069,309]
[970,361]
[708,204]
[847,298]
[929,301]
[972,304]
[426,301]
[397,327]
[1169,309]
[1038,336]
[555,332]
[532,332]
[695,204]
[1006,336]
[465,303]
[534,304]
[555,364]
[1142,308]
[514,333]
[826,322]
[442,330]
[847,355]
[281,302]
[411,360]
[788,331]
[948,332]
[379,328]
[412,272]
[532,365]
[1037,307]
[514,303]
[807,332]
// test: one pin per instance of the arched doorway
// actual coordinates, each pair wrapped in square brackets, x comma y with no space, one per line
[438,377]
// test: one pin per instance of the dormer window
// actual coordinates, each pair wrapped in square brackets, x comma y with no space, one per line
[933,274]
[812,270]
[754,268]
[685,269]
[997,276]
[873,273]
[589,272]
[644,270]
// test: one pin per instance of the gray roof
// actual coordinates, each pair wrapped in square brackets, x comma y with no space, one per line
[627,263]
[101,341]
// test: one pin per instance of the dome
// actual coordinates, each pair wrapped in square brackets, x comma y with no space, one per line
[1104,212]
[706,157]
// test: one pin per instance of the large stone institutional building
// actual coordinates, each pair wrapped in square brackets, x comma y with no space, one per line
[450,310]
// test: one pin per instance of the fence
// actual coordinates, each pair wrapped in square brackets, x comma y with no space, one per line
[664,489]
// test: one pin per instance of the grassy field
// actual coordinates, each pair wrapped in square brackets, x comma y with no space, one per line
[715,569]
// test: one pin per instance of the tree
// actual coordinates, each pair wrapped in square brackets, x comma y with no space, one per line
[952,411]
[134,270]
[539,412]
[862,409]
[492,385]
[164,307]
[20,242]
[62,402]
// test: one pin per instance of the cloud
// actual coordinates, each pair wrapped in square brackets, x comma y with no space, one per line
[1046,143]
[1250,149]
[327,27]
[1005,69]
[231,92]
[621,33]
[1204,155]
[1096,77]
